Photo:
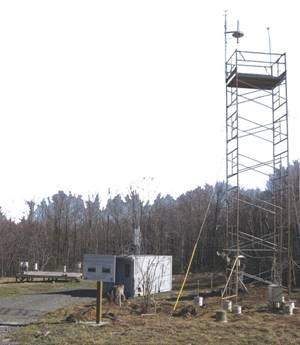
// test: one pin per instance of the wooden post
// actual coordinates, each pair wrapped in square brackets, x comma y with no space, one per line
[99,302]
[101,294]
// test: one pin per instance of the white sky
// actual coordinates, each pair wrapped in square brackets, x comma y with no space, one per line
[99,94]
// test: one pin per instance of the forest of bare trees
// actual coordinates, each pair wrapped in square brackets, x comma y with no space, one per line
[63,227]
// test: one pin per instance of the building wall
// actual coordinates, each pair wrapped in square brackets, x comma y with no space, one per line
[99,267]
[152,273]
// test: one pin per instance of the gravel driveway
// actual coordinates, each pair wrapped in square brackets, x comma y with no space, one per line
[20,310]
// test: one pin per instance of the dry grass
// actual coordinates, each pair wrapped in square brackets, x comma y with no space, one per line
[9,287]
[255,326]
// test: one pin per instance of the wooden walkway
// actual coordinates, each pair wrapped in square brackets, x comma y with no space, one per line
[47,275]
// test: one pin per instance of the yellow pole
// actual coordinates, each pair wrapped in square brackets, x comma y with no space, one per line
[185,277]
[194,250]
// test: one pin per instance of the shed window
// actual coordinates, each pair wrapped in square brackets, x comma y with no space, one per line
[91,269]
[127,270]
[105,270]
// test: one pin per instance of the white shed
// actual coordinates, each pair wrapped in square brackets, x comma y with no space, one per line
[140,274]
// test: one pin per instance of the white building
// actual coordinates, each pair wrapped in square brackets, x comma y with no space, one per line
[140,274]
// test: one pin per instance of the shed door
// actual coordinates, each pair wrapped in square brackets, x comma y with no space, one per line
[124,275]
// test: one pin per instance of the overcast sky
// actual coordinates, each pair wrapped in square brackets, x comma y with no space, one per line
[99,94]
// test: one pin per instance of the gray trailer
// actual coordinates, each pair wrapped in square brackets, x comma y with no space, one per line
[140,274]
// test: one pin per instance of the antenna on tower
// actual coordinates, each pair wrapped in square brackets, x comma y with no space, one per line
[237,34]
[225,38]
[234,33]
[270,50]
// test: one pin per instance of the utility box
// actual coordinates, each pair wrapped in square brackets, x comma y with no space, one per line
[140,274]
[275,293]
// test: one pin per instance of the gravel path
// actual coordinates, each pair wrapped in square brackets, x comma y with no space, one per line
[20,310]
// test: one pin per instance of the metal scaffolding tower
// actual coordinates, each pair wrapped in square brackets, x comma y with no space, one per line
[257,151]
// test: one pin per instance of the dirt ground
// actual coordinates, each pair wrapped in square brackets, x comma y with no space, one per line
[133,324]
[24,303]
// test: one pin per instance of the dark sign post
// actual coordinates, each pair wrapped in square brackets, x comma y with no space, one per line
[99,302]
